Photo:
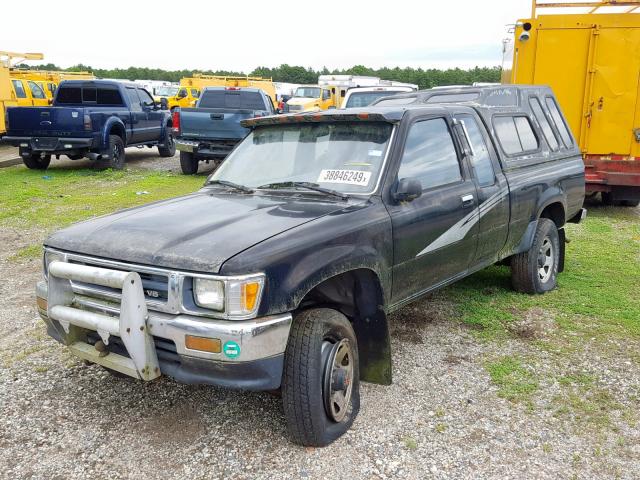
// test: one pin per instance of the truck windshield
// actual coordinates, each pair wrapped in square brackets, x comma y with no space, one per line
[166,91]
[346,157]
[232,99]
[307,92]
[364,99]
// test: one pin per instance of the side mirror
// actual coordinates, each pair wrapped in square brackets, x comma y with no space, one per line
[164,104]
[406,190]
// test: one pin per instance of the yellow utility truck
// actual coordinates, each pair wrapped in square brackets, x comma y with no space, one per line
[191,87]
[7,95]
[589,53]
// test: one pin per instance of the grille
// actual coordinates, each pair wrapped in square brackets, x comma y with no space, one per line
[155,286]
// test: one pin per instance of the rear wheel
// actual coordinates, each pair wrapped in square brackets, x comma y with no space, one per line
[536,270]
[169,148]
[188,163]
[36,161]
[321,380]
[116,154]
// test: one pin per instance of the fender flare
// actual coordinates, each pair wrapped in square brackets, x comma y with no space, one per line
[108,125]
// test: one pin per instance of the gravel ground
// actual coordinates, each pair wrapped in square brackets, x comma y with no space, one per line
[442,417]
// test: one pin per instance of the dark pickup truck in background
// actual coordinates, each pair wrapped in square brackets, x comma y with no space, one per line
[95,119]
[281,271]
[212,129]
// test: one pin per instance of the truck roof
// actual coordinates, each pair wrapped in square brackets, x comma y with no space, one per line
[98,83]
[243,89]
[391,114]
[487,96]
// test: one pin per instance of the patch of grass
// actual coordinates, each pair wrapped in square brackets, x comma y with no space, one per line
[410,443]
[441,428]
[515,382]
[27,253]
[597,292]
[56,198]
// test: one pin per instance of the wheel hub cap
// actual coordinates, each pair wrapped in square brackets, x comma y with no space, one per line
[338,378]
[546,260]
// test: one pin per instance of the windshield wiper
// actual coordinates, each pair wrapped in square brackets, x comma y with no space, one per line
[233,185]
[307,185]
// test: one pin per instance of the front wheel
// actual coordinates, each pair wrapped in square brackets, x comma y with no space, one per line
[188,163]
[321,379]
[169,148]
[536,270]
[36,161]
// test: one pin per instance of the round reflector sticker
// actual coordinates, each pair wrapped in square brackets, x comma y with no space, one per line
[231,349]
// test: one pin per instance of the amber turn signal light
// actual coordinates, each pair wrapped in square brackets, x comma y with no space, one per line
[203,344]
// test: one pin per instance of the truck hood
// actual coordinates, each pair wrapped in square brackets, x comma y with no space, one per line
[196,232]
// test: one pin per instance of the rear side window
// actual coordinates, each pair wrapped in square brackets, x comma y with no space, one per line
[544,123]
[19,88]
[515,134]
[481,159]
[232,99]
[136,106]
[36,90]
[430,155]
[556,116]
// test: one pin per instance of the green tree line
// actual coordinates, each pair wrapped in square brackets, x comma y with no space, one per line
[424,78]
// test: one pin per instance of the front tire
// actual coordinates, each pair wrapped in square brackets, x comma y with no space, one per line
[536,270]
[35,161]
[169,149]
[188,163]
[321,379]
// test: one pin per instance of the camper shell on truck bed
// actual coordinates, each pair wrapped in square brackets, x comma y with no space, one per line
[280,272]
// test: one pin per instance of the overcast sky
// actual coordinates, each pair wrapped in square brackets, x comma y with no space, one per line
[241,35]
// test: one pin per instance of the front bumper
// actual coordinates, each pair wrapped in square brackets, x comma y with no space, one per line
[256,363]
[49,144]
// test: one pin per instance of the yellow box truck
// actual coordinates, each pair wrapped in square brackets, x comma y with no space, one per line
[591,60]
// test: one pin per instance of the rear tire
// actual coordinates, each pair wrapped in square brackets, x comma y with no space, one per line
[169,149]
[321,378]
[116,154]
[536,270]
[188,163]
[37,162]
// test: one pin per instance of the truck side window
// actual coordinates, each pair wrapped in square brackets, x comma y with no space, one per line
[195,93]
[326,95]
[19,88]
[559,122]
[36,90]
[536,107]
[182,93]
[515,134]
[430,155]
[147,99]
[136,106]
[481,160]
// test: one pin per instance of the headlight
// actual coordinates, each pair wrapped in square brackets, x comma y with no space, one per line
[209,293]
[49,257]
[235,296]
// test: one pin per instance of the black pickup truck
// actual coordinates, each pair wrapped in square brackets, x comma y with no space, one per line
[281,271]
[96,119]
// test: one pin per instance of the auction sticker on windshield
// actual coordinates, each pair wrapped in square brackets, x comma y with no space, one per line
[351,177]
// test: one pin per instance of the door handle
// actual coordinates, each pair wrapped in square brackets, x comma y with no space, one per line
[467,200]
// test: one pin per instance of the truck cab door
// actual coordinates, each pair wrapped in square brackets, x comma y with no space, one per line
[492,188]
[138,116]
[154,117]
[434,235]
[325,101]
[38,97]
